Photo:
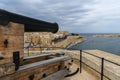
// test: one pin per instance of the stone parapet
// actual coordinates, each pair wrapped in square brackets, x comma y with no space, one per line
[110,70]
[11,40]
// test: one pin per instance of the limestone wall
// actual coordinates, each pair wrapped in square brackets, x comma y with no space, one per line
[44,39]
[39,72]
[14,34]
[37,39]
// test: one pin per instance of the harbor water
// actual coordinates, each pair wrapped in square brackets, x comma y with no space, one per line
[108,44]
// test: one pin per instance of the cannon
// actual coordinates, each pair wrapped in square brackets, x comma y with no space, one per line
[14,65]
[31,24]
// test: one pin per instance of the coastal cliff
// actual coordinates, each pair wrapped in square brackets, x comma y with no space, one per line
[70,41]
[44,39]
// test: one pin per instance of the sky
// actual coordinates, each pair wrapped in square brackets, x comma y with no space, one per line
[75,16]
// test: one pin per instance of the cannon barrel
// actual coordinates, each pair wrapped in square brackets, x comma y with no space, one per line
[31,24]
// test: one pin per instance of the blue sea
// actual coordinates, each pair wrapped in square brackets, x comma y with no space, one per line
[111,44]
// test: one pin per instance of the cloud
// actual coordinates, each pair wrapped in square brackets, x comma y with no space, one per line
[74,15]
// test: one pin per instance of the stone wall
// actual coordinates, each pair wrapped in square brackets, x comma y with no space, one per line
[37,39]
[13,34]
[44,39]
[39,72]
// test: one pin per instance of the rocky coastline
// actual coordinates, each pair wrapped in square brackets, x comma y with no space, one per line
[70,41]
[61,39]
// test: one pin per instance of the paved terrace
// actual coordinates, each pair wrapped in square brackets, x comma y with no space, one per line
[110,70]
[85,75]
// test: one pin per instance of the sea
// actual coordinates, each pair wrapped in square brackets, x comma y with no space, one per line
[108,44]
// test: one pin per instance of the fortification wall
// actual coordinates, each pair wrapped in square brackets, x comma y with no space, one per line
[111,70]
[11,40]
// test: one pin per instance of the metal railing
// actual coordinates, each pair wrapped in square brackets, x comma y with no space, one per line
[101,72]
[40,49]
[101,67]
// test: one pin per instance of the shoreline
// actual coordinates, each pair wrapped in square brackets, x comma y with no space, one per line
[70,41]
[75,42]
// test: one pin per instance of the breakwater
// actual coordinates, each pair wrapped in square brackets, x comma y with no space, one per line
[106,35]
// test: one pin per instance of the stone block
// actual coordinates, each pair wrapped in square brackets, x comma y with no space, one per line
[14,42]
[15,29]
[10,68]
[2,70]
[8,55]
[12,29]
[6,69]
[5,60]
[6,78]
